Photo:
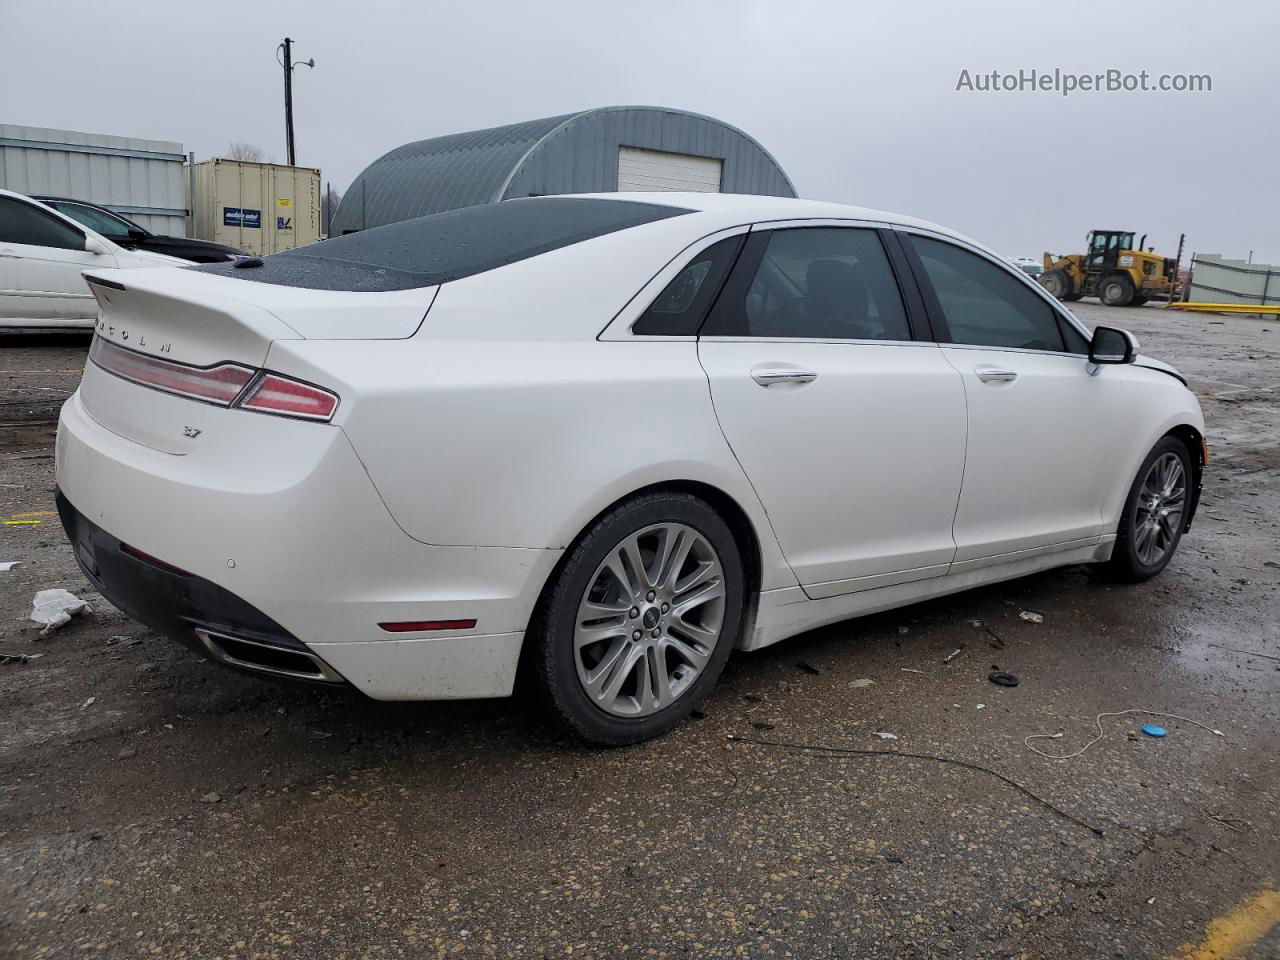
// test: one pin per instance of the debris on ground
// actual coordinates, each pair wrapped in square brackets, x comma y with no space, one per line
[859,684]
[123,641]
[761,725]
[885,735]
[19,657]
[911,670]
[1002,679]
[88,703]
[903,629]
[1247,653]
[1097,722]
[953,654]
[1153,730]
[808,668]
[1031,617]
[211,798]
[126,753]
[821,750]
[55,608]
[7,566]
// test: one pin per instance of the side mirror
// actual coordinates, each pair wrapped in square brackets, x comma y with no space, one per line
[95,246]
[1111,345]
[136,234]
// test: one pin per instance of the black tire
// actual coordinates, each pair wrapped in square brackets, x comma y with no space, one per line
[1138,301]
[1116,290]
[1057,283]
[1072,297]
[552,663]
[1126,563]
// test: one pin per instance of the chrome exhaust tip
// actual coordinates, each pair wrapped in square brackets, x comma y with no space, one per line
[267,658]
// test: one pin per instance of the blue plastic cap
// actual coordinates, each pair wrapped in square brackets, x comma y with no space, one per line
[1152,730]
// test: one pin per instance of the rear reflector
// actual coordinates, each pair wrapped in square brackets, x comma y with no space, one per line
[154,561]
[422,626]
[290,398]
[219,384]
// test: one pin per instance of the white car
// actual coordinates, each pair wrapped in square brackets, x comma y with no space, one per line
[42,256]
[597,442]
[1028,265]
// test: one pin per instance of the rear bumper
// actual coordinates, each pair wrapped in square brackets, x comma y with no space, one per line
[200,614]
[286,542]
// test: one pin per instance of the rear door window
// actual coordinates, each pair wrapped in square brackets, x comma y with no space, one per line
[984,304]
[824,283]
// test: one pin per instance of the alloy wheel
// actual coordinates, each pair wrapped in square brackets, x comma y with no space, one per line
[649,620]
[1161,503]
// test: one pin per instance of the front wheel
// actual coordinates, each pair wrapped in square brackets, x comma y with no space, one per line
[1116,290]
[643,614]
[1056,283]
[1154,513]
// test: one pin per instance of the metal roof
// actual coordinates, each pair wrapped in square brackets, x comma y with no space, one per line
[569,153]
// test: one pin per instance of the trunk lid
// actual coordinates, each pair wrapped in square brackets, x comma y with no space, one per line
[186,317]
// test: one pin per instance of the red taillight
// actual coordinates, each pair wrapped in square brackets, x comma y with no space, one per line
[290,398]
[219,384]
[422,626]
[222,383]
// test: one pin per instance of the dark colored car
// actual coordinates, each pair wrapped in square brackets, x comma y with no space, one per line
[129,235]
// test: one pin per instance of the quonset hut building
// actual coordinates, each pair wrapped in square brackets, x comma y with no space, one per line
[601,150]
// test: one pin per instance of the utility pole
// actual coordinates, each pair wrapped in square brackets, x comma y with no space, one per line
[288,64]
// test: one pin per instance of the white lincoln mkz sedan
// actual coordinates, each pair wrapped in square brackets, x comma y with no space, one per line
[597,443]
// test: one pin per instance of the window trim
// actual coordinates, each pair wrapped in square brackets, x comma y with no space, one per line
[753,252]
[937,318]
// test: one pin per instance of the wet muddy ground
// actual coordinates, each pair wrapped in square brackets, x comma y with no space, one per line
[152,804]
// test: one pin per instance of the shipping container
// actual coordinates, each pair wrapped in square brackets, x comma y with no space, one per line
[262,208]
[139,179]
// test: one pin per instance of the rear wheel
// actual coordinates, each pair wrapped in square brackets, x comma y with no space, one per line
[1154,513]
[1057,283]
[637,627]
[1116,290]
[1138,301]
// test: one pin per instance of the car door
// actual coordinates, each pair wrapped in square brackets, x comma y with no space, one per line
[1046,429]
[41,258]
[851,430]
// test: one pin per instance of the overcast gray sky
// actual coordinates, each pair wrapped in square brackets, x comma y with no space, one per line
[857,101]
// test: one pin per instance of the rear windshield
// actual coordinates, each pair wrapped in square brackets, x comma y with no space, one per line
[447,246]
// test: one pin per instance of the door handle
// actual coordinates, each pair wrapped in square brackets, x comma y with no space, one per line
[768,376]
[995,375]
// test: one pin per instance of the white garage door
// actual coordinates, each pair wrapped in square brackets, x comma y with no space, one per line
[654,170]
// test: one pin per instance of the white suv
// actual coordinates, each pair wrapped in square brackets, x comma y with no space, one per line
[42,256]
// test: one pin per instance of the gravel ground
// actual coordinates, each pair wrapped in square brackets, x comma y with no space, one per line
[152,804]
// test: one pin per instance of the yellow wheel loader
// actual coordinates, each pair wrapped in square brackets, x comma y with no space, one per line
[1114,270]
